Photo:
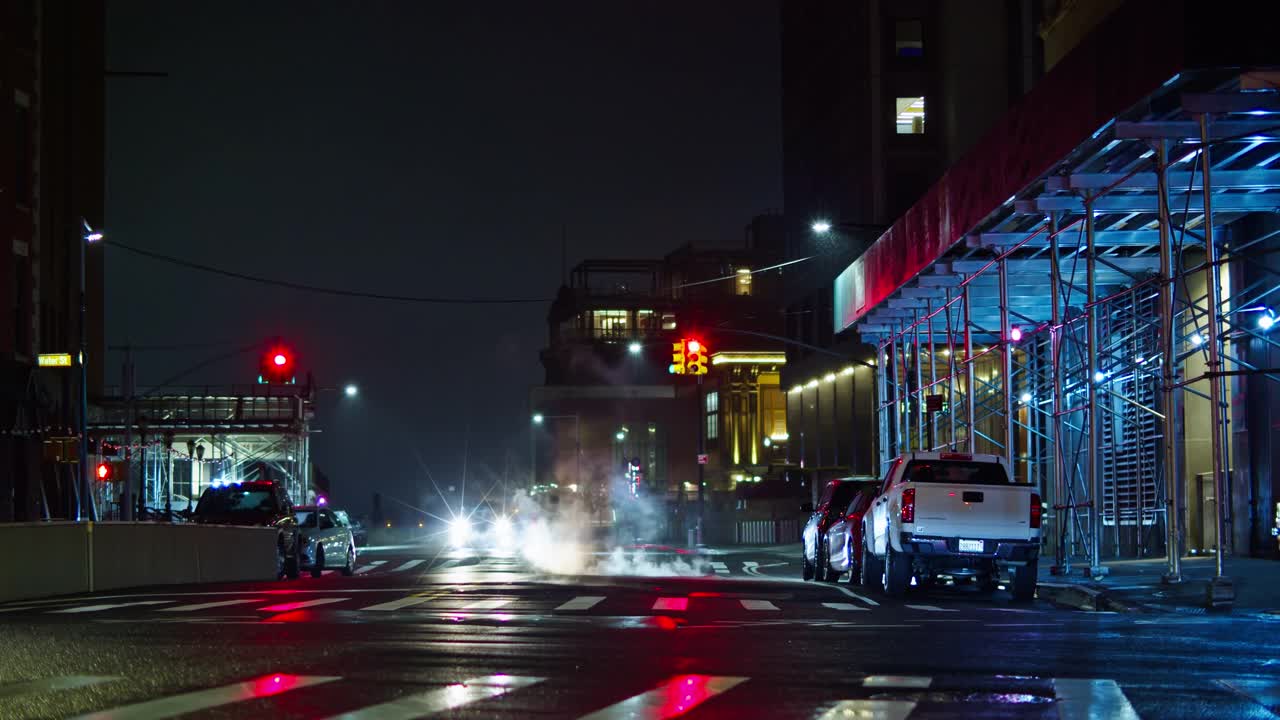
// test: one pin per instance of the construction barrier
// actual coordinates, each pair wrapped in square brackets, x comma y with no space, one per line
[766,532]
[61,558]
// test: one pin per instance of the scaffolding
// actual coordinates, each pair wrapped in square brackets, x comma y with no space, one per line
[1101,329]
[175,445]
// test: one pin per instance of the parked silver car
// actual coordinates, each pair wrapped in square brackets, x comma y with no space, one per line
[326,541]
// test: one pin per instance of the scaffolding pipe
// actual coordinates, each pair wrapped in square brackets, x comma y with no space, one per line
[1063,557]
[951,377]
[1006,362]
[1169,373]
[882,387]
[933,376]
[1213,279]
[1093,477]
[919,391]
[968,373]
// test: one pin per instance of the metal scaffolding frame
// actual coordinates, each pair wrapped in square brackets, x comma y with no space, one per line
[1067,331]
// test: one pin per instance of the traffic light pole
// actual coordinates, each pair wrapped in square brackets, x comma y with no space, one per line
[702,449]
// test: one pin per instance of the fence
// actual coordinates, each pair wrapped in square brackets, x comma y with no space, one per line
[766,532]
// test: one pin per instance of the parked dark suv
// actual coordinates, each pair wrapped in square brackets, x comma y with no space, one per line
[259,504]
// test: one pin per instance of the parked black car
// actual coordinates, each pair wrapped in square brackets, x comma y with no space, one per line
[259,504]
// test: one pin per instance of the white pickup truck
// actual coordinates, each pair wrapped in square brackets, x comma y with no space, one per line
[951,514]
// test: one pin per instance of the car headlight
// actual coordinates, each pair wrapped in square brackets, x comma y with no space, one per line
[459,531]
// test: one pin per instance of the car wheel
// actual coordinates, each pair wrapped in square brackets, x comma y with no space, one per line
[820,564]
[897,572]
[854,563]
[280,563]
[350,568]
[832,574]
[293,564]
[869,568]
[1024,581]
[318,569]
[807,569]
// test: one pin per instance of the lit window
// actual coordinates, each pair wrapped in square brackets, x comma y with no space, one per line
[908,38]
[646,321]
[713,415]
[668,321]
[610,323]
[910,117]
[743,284]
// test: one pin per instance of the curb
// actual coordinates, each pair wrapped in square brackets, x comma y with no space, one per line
[1080,597]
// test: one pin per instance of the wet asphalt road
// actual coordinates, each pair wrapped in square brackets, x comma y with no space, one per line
[416,633]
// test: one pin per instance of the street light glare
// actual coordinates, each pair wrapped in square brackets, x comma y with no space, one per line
[351,390]
[634,348]
[537,418]
[821,227]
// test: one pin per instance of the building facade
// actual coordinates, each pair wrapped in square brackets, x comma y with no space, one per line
[879,98]
[613,423]
[51,149]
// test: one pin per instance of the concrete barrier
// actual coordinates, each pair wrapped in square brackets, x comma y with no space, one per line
[46,559]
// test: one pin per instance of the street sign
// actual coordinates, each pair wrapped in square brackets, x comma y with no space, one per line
[933,403]
[54,359]
[702,459]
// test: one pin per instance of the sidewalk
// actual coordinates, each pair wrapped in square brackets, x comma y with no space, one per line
[1136,585]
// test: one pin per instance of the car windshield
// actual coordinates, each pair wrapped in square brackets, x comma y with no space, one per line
[844,492]
[304,516]
[343,520]
[236,499]
[956,471]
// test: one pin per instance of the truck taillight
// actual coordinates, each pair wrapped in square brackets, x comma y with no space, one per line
[909,505]
[1035,510]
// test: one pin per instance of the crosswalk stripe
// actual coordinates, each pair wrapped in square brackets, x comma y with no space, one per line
[64,682]
[843,606]
[874,709]
[665,701]
[446,698]
[286,607]
[207,605]
[1087,699]
[176,705]
[403,602]
[408,565]
[492,604]
[929,608]
[897,681]
[582,602]
[371,566]
[108,606]
[720,568]
[758,605]
[677,604]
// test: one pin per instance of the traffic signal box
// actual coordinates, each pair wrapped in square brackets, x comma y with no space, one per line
[277,366]
[688,357]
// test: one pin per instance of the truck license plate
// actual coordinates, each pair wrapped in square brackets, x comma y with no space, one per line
[971,546]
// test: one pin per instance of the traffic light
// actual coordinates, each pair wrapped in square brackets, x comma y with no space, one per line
[105,472]
[677,358]
[695,357]
[277,366]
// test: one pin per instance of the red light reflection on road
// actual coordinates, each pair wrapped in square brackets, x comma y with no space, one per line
[271,685]
[683,693]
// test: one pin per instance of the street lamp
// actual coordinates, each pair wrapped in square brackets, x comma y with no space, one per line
[539,419]
[88,236]
[351,390]
[634,348]
[820,227]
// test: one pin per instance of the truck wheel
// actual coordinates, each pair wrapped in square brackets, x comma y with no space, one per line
[869,568]
[292,564]
[1024,581]
[280,559]
[897,572]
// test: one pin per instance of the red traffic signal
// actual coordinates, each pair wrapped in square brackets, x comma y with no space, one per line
[695,357]
[105,471]
[278,365]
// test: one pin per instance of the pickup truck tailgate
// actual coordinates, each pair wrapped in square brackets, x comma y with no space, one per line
[973,511]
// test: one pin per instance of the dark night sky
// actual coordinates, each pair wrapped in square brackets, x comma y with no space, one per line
[420,148]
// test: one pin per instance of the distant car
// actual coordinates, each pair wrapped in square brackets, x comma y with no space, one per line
[358,531]
[261,504]
[326,541]
[834,501]
[844,537]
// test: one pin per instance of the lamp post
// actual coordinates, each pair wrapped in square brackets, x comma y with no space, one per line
[539,419]
[88,236]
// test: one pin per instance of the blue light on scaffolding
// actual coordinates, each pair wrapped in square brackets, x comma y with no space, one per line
[1099,376]
[1265,320]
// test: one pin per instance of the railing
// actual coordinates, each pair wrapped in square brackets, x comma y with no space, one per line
[766,532]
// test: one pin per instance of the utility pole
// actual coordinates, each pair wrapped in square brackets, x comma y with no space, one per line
[702,449]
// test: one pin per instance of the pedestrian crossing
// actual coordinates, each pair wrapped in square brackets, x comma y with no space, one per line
[485,694]
[516,600]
